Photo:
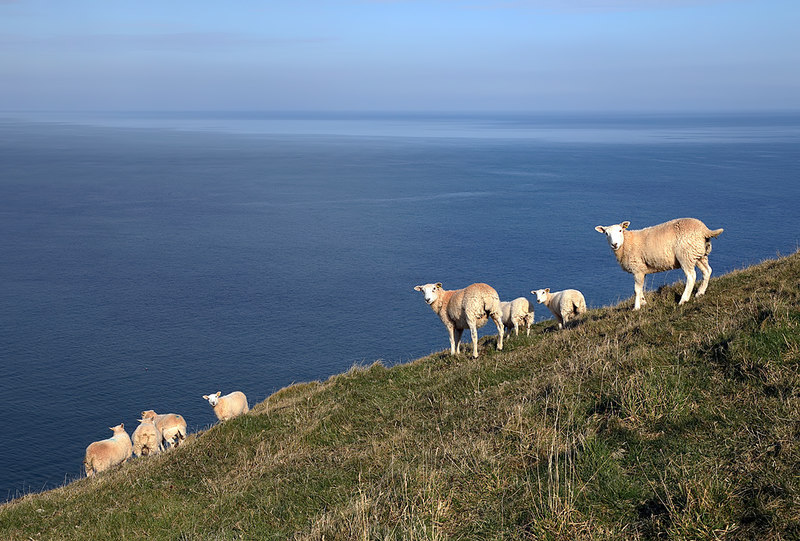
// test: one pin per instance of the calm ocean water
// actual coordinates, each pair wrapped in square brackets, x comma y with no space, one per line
[148,259]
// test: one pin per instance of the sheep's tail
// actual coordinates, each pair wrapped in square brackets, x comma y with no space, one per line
[710,234]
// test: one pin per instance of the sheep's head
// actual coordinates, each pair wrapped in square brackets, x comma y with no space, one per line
[614,234]
[541,294]
[117,429]
[431,291]
[149,414]
[212,399]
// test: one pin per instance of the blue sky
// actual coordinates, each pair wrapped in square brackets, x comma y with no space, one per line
[398,55]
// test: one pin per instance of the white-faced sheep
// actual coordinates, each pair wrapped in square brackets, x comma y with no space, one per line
[171,425]
[147,439]
[565,305]
[517,313]
[229,406]
[468,308]
[682,243]
[104,454]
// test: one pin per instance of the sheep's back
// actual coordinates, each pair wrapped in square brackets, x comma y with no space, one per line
[474,301]
[109,452]
[169,424]
[661,246]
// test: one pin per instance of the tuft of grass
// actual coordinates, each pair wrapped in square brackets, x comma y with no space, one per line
[674,422]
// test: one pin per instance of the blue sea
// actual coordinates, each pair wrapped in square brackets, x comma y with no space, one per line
[147,259]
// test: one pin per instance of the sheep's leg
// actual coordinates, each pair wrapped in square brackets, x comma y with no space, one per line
[458,332]
[453,342]
[705,268]
[691,277]
[638,288]
[473,330]
[499,322]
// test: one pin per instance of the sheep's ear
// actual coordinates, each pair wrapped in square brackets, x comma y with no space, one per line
[625,224]
[205,397]
[417,288]
[219,393]
[547,290]
[439,285]
[600,229]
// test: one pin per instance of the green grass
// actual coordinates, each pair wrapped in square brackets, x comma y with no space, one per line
[667,423]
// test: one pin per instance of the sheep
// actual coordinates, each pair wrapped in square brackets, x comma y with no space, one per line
[147,438]
[468,308]
[682,243]
[171,425]
[566,305]
[229,406]
[515,313]
[102,455]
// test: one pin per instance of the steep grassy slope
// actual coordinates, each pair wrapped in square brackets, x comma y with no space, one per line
[669,423]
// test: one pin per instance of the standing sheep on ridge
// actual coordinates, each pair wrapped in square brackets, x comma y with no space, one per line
[171,425]
[682,243]
[147,439]
[468,308]
[566,305]
[228,406]
[516,313]
[104,454]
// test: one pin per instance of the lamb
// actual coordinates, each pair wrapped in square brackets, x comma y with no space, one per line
[102,455]
[468,308]
[566,305]
[147,438]
[229,406]
[515,313]
[682,243]
[171,425]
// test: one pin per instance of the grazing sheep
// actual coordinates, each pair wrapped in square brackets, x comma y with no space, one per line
[147,439]
[517,312]
[566,305]
[228,406]
[103,454]
[468,308]
[682,243]
[171,425]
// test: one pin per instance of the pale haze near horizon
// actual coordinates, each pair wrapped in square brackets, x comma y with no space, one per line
[396,55]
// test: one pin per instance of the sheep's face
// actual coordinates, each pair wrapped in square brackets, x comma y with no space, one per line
[431,291]
[614,234]
[212,399]
[541,294]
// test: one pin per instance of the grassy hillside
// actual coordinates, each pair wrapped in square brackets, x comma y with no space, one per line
[669,423]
